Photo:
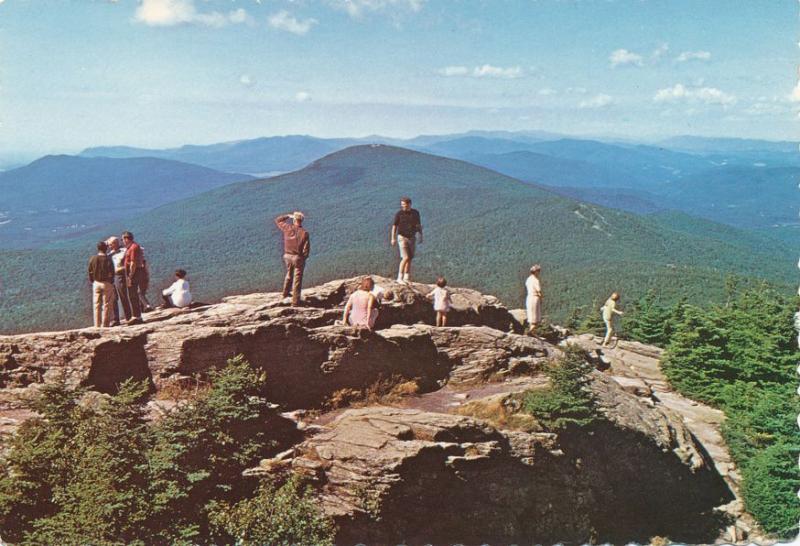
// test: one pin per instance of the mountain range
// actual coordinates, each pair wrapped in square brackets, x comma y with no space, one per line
[63,196]
[482,229]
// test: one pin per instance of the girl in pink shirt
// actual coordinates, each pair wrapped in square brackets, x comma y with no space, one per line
[361,310]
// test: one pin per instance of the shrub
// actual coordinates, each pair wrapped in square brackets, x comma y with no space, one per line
[278,516]
[104,475]
[201,448]
[568,401]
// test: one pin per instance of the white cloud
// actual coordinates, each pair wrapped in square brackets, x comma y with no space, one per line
[167,13]
[283,20]
[707,95]
[246,80]
[621,57]
[598,101]
[454,71]
[693,56]
[489,71]
[483,71]
[357,8]
[302,96]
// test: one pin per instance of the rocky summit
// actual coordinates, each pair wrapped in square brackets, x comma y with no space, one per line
[417,434]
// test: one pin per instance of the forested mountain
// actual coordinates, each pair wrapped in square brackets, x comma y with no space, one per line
[61,196]
[482,229]
[750,197]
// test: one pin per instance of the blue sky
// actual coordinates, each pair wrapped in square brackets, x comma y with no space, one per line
[159,73]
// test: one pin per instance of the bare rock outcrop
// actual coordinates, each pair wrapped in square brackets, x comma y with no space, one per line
[389,475]
[412,474]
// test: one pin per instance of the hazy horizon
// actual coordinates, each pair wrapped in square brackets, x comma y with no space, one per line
[164,73]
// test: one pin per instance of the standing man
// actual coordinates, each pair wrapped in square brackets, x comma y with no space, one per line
[117,254]
[296,249]
[404,231]
[133,264]
[101,275]
[533,303]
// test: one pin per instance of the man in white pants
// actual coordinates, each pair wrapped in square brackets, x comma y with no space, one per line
[533,303]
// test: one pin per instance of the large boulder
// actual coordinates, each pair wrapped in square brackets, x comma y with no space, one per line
[390,475]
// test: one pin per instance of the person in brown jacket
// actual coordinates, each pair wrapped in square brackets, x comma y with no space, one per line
[101,276]
[296,248]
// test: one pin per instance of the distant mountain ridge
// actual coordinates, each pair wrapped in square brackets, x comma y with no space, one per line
[58,196]
[482,229]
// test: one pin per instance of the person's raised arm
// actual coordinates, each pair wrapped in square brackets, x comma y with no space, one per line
[282,221]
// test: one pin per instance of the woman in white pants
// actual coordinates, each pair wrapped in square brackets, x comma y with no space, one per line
[533,303]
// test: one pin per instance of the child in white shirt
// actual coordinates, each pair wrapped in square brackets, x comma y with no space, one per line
[441,301]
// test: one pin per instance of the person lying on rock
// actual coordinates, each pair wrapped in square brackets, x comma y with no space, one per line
[178,295]
[361,309]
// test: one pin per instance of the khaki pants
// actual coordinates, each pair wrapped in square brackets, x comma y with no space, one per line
[294,276]
[103,297]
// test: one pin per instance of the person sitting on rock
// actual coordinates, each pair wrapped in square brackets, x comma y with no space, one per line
[441,301]
[178,295]
[361,310]
[609,309]
[533,302]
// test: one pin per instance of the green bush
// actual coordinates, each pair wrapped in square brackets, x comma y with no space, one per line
[567,401]
[770,487]
[278,516]
[741,358]
[200,449]
[100,473]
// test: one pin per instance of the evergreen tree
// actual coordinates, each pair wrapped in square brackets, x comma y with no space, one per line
[741,357]
[647,321]
[106,498]
[593,320]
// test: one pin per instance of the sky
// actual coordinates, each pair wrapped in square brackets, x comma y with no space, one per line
[162,73]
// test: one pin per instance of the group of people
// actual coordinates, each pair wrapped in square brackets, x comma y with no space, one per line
[533,306]
[363,306]
[119,275]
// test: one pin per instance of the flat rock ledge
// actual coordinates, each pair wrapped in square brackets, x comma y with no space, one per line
[390,475]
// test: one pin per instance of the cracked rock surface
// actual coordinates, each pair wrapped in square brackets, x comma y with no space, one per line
[415,471]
